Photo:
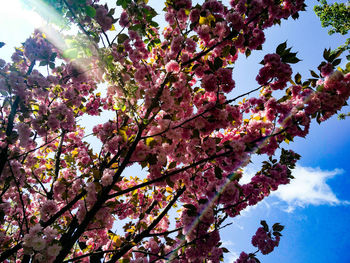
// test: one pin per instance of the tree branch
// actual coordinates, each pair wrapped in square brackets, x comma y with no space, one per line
[146,232]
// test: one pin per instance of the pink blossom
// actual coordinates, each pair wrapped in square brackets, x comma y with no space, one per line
[124,19]
[209,82]
[172,66]
[38,243]
[107,177]
[53,250]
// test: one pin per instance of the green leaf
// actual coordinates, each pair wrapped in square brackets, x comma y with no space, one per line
[225,250]
[172,165]
[326,53]
[190,207]
[248,52]
[169,182]
[122,38]
[291,60]
[277,227]
[150,142]
[218,63]
[53,56]
[336,54]
[191,210]
[264,224]
[70,53]
[295,16]
[203,201]
[313,82]
[313,73]
[152,159]
[233,50]
[320,88]
[306,83]
[111,12]
[211,65]
[123,3]
[336,62]
[43,63]
[90,11]
[281,48]
[143,164]
[3,92]
[94,35]
[218,172]
[195,133]
[277,233]
[191,213]
[226,51]
[154,24]
[297,78]
[347,66]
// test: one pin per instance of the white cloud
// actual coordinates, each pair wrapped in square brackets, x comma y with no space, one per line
[227,243]
[266,206]
[15,12]
[309,188]
[231,257]
[248,173]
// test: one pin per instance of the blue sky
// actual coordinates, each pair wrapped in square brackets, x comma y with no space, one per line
[315,208]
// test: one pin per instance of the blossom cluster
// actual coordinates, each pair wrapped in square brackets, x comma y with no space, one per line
[173,115]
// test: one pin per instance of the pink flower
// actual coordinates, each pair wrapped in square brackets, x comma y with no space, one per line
[326,70]
[23,133]
[194,15]
[124,19]
[209,82]
[107,177]
[172,66]
[38,243]
[48,208]
[53,250]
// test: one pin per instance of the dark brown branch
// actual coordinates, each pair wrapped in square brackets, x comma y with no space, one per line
[109,43]
[57,163]
[151,254]
[63,210]
[234,205]
[10,123]
[76,19]
[88,255]
[146,232]
[204,52]
[33,150]
[104,194]
[9,128]
[167,175]
[20,198]
[164,233]
[41,184]
[242,95]
[102,198]
[6,254]
[202,113]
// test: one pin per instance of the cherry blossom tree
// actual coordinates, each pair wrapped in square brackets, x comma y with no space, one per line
[175,114]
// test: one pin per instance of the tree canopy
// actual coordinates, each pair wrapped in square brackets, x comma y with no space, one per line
[171,109]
